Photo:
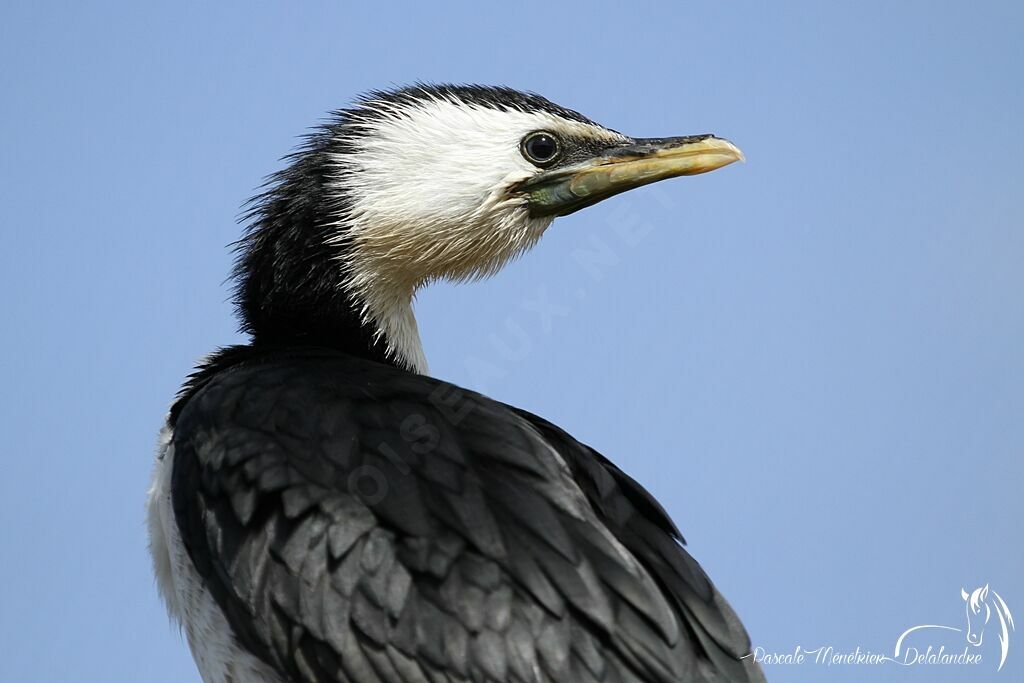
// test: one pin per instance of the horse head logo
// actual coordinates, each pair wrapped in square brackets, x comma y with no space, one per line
[981,604]
[978,613]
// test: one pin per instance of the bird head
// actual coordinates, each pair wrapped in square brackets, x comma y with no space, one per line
[452,182]
[438,182]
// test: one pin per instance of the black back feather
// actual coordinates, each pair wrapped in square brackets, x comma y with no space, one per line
[357,522]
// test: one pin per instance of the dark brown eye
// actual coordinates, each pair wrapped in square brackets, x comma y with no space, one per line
[541,148]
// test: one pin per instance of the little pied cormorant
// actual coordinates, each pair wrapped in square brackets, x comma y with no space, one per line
[323,510]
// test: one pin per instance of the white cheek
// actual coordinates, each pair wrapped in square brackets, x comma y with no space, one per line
[426,187]
[431,175]
[440,160]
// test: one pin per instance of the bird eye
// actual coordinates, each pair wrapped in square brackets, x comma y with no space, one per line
[540,148]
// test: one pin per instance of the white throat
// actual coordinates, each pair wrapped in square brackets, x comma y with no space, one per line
[394,319]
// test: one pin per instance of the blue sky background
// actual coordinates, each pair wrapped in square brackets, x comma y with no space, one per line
[815,360]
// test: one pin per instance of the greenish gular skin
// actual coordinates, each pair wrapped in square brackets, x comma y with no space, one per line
[622,167]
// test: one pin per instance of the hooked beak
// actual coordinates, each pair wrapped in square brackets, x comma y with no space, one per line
[564,190]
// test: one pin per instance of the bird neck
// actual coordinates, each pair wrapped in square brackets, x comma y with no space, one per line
[317,309]
[292,278]
[392,319]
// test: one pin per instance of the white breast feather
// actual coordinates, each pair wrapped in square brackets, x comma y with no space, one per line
[218,655]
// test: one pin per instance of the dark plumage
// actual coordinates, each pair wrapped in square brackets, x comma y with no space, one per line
[359,522]
[356,521]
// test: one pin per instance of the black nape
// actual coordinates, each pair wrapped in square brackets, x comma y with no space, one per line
[289,271]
